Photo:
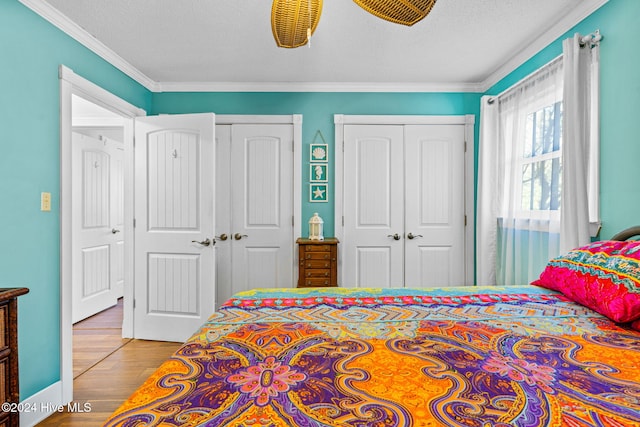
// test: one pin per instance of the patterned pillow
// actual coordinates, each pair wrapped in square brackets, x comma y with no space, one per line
[604,276]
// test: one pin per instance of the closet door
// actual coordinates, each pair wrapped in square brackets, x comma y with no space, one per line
[434,205]
[373,206]
[224,283]
[262,206]
[255,207]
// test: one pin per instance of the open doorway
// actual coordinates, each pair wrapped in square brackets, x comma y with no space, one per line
[112,120]
[97,233]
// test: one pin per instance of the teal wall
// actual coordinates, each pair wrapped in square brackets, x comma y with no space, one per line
[31,50]
[619,108]
[318,110]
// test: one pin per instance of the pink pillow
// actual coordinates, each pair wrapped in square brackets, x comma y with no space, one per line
[604,276]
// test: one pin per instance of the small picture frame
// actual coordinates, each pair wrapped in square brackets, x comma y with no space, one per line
[318,172]
[319,152]
[318,193]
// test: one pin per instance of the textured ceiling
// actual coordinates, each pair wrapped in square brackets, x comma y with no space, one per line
[460,42]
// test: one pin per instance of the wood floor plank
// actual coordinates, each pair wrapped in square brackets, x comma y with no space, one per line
[90,347]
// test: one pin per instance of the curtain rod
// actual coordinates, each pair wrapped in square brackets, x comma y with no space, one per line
[592,40]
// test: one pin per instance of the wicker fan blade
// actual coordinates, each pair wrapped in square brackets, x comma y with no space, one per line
[405,12]
[290,20]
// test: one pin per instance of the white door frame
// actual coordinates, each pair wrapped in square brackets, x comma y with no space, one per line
[73,84]
[468,120]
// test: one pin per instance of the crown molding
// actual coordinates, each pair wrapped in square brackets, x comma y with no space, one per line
[73,30]
[580,12]
[315,87]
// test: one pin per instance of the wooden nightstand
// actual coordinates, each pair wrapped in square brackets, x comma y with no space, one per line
[318,265]
[9,386]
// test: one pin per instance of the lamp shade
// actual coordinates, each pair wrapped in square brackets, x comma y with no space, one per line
[293,21]
[405,12]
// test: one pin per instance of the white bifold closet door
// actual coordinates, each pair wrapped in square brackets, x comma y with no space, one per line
[403,205]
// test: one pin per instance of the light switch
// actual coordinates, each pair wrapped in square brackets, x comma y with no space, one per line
[45,202]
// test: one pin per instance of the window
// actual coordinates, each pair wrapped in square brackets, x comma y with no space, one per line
[541,163]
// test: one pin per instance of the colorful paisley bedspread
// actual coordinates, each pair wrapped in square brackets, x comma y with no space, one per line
[477,356]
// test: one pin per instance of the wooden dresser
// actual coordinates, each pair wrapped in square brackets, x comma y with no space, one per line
[318,266]
[9,387]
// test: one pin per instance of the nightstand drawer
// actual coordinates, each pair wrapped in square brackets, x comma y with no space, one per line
[317,255]
[318,248]
[4,379]
[318,272]
[317,282]
[316,264]
[4,322]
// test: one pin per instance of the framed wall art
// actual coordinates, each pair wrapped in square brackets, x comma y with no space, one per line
[318,172]
[318,192]
[319,153]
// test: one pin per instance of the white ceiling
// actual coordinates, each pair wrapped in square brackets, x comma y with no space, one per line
[167,45]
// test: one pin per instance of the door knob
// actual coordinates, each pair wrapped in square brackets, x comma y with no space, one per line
[222,237]
[411,236]
[114,231]
[239,236]
[205,242]
[395,236]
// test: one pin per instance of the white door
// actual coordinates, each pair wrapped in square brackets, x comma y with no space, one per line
[117,216]
[373,206]
[434,205]
[256,182]
[97,212]
[403,205]
[174,225]
[224,190]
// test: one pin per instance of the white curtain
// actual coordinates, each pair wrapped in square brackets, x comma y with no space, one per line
[580,216]
[513,242]
[487,206]
[538,168]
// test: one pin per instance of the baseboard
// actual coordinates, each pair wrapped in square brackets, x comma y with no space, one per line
[40,405]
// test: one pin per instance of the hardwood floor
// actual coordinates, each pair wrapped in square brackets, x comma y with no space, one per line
[107,368]
[97,337]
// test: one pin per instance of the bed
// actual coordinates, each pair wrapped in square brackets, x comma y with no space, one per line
[467,356]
